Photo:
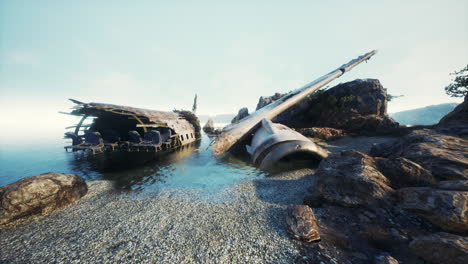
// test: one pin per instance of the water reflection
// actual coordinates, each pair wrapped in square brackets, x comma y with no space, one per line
[192,166]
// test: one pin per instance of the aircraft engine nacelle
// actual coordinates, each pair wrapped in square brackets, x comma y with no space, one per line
[272,142]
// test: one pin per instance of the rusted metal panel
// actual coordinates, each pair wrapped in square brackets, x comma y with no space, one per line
[236,132]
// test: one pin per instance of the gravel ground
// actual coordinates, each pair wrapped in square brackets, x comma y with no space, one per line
[244,223]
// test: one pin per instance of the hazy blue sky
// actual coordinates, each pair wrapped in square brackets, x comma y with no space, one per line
[158,54]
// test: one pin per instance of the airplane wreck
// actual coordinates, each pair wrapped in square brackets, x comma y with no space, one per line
[129,129]
[272,142]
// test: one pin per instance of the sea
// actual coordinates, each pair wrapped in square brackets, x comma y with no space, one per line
[192,166]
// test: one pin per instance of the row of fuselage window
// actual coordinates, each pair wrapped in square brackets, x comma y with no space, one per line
[187,136]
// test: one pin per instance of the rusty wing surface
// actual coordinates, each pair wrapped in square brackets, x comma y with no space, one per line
[236,132]
[144,117]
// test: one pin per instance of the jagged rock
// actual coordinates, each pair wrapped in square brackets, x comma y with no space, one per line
[441,248]
[385,259]
[243,112]
[404,173]
[446,157]
[39,195]
[350,178]
[444,208]
[209,127]
[266,100]
[357,106]
[456,122]
[326,133]
[453,185]
[302,223]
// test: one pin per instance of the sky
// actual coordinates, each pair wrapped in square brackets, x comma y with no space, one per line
[159,54]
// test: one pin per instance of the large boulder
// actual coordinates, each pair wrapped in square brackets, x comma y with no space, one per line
[243,112]
[445,208]
[350,178]
[441,248]
[456,122]
[404,173]
[357,106]
[39,195]
[446,157]
[302,223]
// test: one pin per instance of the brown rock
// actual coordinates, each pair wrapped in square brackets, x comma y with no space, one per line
[404,173]
[453,185]
[302,223]
[441,248]
[350,178]
[447,209]
[326,133]
[446,157]
[356,106]
[39,195]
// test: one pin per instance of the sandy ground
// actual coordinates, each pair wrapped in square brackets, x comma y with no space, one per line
[244,223]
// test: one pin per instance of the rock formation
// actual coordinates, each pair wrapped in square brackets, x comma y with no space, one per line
[266,100]
[39,195]
[445,208]
[401,196]
[404,173]
[350,178]
[358,106]
[243,112]
[209,127]
[441,248]
[444,156]
[456,122]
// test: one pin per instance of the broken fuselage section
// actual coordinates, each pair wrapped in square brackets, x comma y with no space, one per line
[129,129]
[272,142]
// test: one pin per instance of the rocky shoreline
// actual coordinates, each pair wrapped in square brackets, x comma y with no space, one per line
[374,199]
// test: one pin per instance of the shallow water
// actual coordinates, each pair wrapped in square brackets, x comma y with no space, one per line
[189,167]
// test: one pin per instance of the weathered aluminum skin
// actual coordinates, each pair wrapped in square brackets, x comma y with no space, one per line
[273,141]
